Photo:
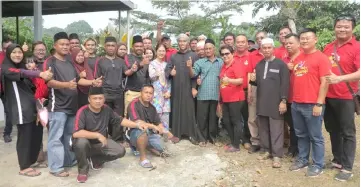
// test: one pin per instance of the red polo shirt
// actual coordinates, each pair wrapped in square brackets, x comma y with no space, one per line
[287,60]
[2,57]
[254,58]
[230,92]
[307,73]
[280,52]
[244,61]
[169,53]
[349,60]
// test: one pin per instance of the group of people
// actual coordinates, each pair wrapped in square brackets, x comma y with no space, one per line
[100,105]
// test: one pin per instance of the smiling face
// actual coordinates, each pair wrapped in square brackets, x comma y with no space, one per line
[308,41]
[149,54]
[283,33]
[122,51]
[39,51]
[138,48]
[241,43]
[147,43]
[183,44]
[343,29]
[267,50]
[292,44]
[90,47]
[227,56]
[17,55]
[62,47]
[80,57]
[161,52]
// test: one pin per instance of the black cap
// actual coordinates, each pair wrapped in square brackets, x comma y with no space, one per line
[251,41]
[110,39]
[137,39]
[96,91]
[208,40]
[60,35]
[165,37]
[73,36]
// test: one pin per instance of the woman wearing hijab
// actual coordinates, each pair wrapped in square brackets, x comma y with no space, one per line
[21,101]
[82,68]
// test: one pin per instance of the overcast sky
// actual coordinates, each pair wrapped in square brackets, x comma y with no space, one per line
[99,20]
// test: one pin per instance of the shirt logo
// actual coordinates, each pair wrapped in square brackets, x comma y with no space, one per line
[246,62]
[332,59]
[300,69]
[274,70]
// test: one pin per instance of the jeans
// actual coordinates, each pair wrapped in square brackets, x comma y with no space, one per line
[61,127]
[154,140]
[308,129]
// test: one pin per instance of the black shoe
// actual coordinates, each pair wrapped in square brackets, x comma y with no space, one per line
[298,165]
[254,149]
[193,141]
[7,138]
[343,176]
[292,152]
[314,171]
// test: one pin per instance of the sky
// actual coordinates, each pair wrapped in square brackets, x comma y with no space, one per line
[100,20]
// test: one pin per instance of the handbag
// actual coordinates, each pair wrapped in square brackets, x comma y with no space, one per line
[355,97]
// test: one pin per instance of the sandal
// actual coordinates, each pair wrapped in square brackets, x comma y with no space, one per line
[202,144]
[60,174]
[174,139]
[30,173]
[40,165]
[146,164]
[276,162]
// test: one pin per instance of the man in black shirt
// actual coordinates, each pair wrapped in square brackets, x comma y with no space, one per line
[140,64]
[141,110]
[113,69]
[90,134]
[62,106]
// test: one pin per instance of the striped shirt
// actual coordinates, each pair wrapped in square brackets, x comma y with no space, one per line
[209,72]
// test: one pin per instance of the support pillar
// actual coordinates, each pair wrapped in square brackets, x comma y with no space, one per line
[17,29]
[38,25]
[128,31]
[1,24]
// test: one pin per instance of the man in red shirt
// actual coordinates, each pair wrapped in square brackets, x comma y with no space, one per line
[254,57]
[229,39]
[309,92]
[344,54]
[242,56]
[292,45]
[165,39]
[281,52]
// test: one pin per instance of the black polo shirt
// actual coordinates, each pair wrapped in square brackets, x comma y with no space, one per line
[96,122]
[138,79]
[62,100]
[137,111]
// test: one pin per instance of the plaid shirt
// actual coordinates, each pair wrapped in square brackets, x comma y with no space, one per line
[209,72]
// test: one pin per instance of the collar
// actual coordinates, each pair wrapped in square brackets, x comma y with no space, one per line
[239,56]
[353,42]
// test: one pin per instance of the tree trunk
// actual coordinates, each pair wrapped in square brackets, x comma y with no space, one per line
[292,25]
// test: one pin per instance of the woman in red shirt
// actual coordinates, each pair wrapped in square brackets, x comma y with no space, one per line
[232,97]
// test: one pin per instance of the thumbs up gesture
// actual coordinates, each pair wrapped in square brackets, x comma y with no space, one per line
[199,80]
[290,65]
[25,47]
[82,74]
[225,79]
[47,75]
[98,82]
[135,66]
[332,78]
[189,62]
[72,84]
[253,76]
[173,72]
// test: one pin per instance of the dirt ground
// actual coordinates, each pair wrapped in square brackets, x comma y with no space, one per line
[245,170]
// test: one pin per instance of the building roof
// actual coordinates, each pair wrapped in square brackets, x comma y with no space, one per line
[26,8]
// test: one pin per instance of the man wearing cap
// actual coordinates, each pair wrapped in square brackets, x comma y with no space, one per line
[91,144]
[183,120]
[208,92]
[165,39]
[63,103]
[140,75]
[113,69]
[272,81]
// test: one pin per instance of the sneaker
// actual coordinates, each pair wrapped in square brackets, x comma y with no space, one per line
[7,138]
[254,149]
[314,171]
[264,156]
[343,176]
[296,166]
[82,178]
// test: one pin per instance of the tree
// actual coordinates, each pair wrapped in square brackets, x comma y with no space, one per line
[52,31]
[81,27]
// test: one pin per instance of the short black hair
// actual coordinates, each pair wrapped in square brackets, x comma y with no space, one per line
[292,35]
[37,43]
[230,34]
[193,39]
[147,86]
[308,30]
[286,27]
[242,35]
[230,48]
[7,40]
[147,38]
[265,33]
[347,17]
[159,45]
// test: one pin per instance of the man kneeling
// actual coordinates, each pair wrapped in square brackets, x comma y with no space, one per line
[141,110]
[90,142]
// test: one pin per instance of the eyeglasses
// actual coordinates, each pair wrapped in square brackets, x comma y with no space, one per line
[225,54]
[348,18]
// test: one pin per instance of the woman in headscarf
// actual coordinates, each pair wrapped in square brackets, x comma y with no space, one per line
[19,90]
[82,68]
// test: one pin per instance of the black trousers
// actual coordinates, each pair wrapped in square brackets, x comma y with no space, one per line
[30,137]
[207,120]
[82,99]
[340,123]
[83,150]
[233,121]
[8,125]
[271,135]
[244,111]
[117,104]
[293,137]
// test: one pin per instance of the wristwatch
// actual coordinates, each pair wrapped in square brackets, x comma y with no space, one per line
[319,104]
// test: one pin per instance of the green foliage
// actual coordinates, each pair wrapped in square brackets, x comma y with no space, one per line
[81,27]
[324,37]
[356,32]
[52,31]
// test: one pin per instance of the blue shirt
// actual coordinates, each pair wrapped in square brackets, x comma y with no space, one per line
[209,72]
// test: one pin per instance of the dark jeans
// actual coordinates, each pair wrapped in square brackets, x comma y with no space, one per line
[293,137]
[8,125]
[233,121]
[207,120]
[30,137]
[340,123]
[308,129]
[83,150]
[244,111]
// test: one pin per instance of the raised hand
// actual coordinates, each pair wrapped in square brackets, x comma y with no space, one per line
[173,72]
[98,82]
[25,47]
[145,60]
[160,24]
[189,62]
[253,76]
[47,75]
[72,84]
[225,79]
[135,66]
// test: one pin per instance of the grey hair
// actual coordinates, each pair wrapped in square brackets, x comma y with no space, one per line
[183,36]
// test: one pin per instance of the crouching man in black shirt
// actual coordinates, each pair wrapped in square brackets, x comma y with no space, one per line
[90,142]
[141,110]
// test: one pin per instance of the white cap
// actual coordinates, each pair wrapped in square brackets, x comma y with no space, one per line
[182,36]
[202,36]
[201,44]
[267,41]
